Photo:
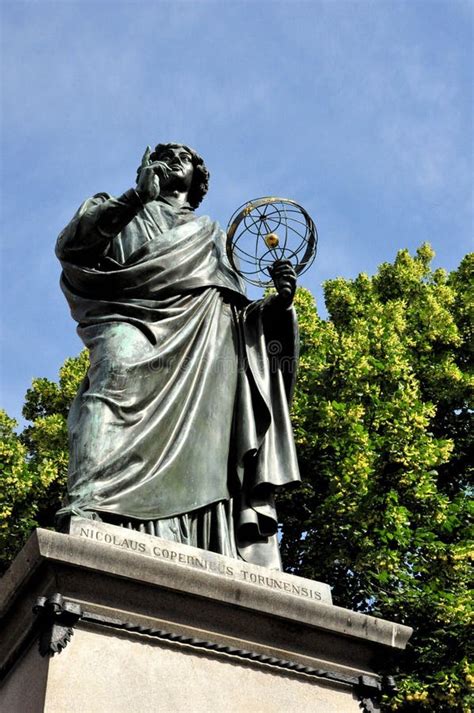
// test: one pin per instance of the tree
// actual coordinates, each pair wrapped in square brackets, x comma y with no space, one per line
[384,428]
[33,465]
[383,425]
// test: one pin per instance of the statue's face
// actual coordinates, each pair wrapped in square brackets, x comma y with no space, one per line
[180,162]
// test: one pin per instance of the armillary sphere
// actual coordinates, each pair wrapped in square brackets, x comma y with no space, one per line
[268,229]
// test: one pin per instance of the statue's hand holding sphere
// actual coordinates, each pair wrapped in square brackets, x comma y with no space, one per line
[284,278]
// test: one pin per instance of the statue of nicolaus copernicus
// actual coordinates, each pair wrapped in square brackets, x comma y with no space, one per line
[181,427]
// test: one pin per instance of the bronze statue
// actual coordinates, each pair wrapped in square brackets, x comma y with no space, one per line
[181,427]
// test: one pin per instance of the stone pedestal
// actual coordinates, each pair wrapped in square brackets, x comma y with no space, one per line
[126,623]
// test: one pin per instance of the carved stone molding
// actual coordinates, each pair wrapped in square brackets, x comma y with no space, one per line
[56,619]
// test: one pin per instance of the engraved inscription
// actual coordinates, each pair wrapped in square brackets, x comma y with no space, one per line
[274,583]
[237,572]
[198,562]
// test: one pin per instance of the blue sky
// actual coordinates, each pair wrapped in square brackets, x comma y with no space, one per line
[361,111]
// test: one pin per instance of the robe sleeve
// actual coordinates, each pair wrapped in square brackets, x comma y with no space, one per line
[265,449]
[87,237]
[280,328]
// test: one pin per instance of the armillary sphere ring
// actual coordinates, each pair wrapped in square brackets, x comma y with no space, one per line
[267,229]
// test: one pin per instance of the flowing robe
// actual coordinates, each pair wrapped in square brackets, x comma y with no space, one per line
[182,419]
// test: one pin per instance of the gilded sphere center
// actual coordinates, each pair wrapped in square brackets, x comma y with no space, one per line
[272,240]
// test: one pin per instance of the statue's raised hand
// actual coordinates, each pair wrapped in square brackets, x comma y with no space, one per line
[148,177]
[284,279]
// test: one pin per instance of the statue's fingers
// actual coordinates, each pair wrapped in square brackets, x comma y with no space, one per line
[284,271]
[146,158]
[160,166]
[289,279]
[285,267]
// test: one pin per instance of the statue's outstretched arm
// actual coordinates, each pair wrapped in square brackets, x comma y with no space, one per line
[98,221]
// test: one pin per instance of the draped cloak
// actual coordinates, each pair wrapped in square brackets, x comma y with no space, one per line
[185,403]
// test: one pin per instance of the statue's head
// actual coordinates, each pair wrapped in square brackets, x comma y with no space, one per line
[200,181]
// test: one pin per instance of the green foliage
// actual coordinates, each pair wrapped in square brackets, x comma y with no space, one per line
[383,419]
[383,424]
[33,465]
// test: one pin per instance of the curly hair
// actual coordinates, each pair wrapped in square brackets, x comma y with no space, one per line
[200,182]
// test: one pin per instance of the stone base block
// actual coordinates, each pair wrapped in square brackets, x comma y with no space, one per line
[103,620]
